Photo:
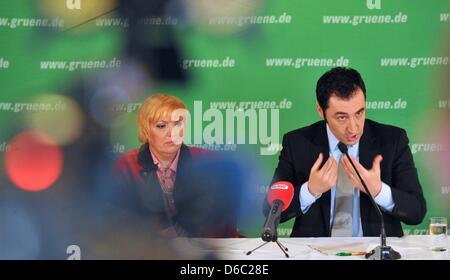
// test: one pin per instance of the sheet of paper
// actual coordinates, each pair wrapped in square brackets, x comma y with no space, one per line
[332,248]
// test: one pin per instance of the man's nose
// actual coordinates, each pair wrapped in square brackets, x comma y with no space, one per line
[352,126]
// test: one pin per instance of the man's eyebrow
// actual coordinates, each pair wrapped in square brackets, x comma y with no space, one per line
[346,114]
[340,113]
[360,110]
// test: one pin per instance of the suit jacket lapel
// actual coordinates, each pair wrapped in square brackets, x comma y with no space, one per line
[368,149]
[321,141]
[183,165]
[150,192]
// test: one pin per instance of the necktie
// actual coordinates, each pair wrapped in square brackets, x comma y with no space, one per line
[342,221]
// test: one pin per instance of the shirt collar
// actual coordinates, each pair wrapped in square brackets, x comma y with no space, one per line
[173,165]
[332,140]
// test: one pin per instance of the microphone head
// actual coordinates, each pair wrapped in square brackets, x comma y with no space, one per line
[342,147]
[283,191]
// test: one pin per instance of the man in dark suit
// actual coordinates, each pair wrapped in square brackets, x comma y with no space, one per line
[310,159]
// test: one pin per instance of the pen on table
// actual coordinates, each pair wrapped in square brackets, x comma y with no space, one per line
[439,249]
[346,254]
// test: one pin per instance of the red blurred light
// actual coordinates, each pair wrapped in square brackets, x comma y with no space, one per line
[34,161]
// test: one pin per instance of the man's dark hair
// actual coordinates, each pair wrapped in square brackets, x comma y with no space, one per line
[341,81]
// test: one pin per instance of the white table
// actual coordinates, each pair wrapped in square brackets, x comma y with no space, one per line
[410,247]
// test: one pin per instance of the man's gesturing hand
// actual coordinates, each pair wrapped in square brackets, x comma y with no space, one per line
[372,177]
[322,179]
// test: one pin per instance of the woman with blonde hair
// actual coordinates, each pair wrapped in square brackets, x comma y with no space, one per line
[159,171]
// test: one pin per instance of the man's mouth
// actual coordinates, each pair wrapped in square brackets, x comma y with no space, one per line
[352,137]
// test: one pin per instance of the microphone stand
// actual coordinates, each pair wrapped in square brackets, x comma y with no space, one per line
[382,252]
[270,230]
[283,248]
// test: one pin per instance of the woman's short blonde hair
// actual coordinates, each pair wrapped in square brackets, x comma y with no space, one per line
[153,109]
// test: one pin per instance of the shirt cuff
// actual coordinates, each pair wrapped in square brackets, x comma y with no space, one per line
[384,198]
[306,198]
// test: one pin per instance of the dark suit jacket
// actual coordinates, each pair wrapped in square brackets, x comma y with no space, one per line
[301,148]
[141,193]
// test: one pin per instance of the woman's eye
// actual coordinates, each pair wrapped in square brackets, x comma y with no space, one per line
[160,126]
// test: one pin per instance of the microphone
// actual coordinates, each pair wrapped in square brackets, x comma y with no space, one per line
[382,252]
[279,197]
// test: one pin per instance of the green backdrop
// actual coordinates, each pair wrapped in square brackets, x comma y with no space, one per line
[245,51]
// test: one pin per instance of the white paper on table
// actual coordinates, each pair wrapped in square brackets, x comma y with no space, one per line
[332,248]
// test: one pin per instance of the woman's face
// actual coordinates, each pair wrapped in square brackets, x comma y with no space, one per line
[166,135]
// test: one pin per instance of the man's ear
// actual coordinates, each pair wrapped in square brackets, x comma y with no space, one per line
[320,111]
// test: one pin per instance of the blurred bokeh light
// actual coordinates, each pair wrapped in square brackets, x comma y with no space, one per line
[210,15]
[59,116]
[76,12]
[20,239]
[34,161]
